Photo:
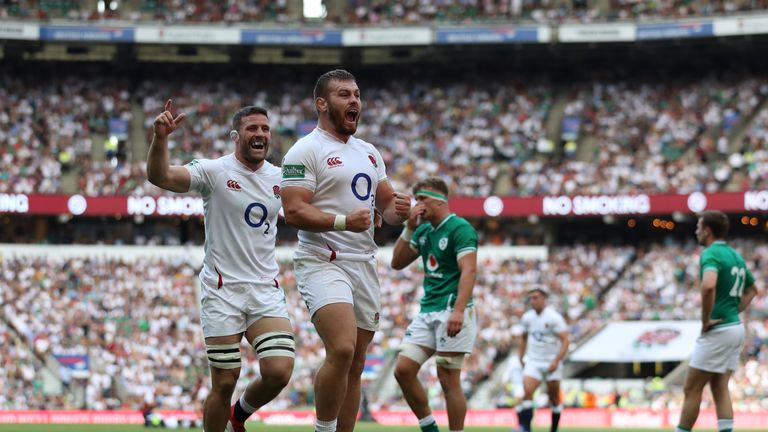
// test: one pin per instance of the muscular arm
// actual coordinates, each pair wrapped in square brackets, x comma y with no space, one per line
[159,171]
[392,205]
[708,283]
[523,346]
[746,298]
[173,178]
[468,269]
[299,213]
[564,343]
[402,254]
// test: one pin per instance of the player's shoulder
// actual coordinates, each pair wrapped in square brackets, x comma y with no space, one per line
[530,314]
[271,170]
[553,314]
[460,225]
[210,164]
[422,229]
[307,143]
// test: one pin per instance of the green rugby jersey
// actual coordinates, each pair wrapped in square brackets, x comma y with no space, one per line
[732,277]
[440,249]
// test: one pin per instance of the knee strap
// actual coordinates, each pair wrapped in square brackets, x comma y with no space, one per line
[414,353]
[446,362]
[275,344]
[224,356]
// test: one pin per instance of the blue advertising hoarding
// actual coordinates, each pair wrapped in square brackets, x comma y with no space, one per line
[291,37]
[87,33]
[486,35]
[675,30]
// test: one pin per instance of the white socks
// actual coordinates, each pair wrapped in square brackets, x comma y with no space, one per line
[245,406]
[426,421]
[325,426]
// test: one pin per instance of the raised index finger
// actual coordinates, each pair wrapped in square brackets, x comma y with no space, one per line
[168,105]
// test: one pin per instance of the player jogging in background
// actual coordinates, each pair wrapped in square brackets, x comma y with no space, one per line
[727,288]
[333,183]
[447,323]
[239,291]
[542,350]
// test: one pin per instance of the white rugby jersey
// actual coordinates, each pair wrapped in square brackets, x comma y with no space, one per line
[241,209]
[543,334]
[343,177]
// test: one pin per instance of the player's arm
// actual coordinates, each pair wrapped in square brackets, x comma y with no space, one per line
[404,252]
[159,171]
[564,343]
[523,347]
[301,214]
[394,206]
[746,297]
[468,269]
[708,284]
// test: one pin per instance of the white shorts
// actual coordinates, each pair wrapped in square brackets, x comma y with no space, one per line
[718,350]
[538,370]
[321,283]
[430,329]
[233,308]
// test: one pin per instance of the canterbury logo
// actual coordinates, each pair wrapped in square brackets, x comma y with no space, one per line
[231,184]
[334,161]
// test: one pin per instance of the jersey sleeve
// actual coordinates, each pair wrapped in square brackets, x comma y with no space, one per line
[464,240]
[750,280]
[202,174]
[417,235]
[381,170]
[708,262]
[559,324]
[299,168]
[525,323]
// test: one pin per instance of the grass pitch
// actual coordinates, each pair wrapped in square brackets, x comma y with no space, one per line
[254,427]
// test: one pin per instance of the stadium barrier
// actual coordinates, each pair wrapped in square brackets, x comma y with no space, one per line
[585,418]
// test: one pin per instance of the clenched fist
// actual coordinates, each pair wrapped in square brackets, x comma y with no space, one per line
[359,220]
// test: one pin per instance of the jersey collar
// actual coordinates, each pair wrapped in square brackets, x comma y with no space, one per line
[443,221]
[241,167]
[327,135]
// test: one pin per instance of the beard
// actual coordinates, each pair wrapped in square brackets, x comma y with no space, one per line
[244,149]
[339,124]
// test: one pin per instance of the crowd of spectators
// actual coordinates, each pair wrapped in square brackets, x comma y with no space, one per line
[138,321]
[48,126]
[374,12]
[650,137]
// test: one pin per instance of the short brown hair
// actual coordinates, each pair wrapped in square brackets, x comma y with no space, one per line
[245,112]
[321,86]
[434,183]
[716,221]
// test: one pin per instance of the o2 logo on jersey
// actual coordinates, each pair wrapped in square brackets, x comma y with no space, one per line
[334,161]
[255,221]
[367,185]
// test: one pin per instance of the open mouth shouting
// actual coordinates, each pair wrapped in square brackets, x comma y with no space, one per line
[351,115]
[257,144]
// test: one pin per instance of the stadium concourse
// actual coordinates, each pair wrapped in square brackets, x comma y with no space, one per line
[133,318]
